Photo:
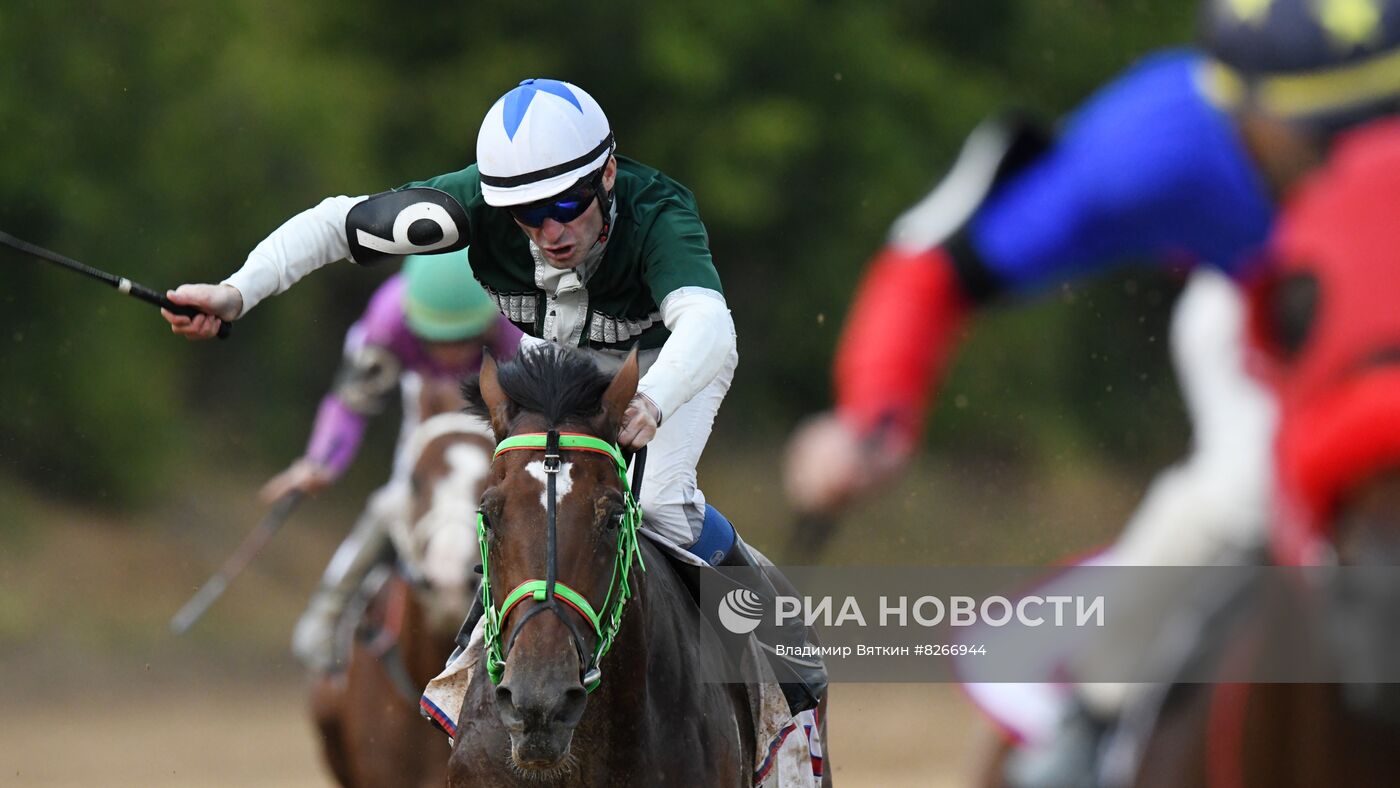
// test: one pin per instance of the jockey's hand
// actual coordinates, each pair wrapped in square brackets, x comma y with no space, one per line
[218,302]
[828,465]
[305,475]
[639,422]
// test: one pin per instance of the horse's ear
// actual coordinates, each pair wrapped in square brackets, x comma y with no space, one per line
[498,405]
[620,392]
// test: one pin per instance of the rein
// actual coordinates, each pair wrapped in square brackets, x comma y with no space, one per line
[550,592]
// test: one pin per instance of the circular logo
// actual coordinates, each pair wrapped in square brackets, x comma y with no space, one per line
[741,611]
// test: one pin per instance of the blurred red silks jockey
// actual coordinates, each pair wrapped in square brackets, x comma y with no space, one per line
[1328,320]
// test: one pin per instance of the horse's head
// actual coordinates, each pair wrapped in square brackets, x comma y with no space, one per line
[451,454]
[558,535]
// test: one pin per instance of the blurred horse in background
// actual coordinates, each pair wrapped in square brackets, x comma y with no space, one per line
[402,624]
[1299,734]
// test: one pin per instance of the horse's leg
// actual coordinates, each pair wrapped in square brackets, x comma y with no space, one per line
[385,751]
[1175,753]
[327,711]
[423,652]
[369,727]
[430,652]
[395,745]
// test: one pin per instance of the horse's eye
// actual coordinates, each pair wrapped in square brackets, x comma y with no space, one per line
[485,518]
[614,520]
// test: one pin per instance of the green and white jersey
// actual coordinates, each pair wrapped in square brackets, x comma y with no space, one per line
[657,246]
[652,284]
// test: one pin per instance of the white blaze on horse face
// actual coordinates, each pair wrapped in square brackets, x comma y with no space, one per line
[448,530]
[562,485]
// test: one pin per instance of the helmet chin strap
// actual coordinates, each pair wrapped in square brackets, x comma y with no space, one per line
[606,203]
[605,196]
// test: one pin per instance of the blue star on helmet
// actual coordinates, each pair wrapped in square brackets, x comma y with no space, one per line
[518,100]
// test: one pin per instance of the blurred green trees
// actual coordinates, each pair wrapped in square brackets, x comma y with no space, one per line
[162,140]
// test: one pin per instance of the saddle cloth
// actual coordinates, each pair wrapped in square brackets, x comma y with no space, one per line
[789,748]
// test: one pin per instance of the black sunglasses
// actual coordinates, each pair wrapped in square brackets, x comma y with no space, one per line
[562,208]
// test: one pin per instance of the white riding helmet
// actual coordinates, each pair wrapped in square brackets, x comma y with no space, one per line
[538,140]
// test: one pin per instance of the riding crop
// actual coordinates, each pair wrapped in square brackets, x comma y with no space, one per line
[214,587]
[121,283]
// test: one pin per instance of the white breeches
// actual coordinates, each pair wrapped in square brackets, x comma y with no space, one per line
[672,503]
[1213,504]
[1213,507]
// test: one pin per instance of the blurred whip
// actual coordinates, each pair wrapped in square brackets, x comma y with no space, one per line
[253,544]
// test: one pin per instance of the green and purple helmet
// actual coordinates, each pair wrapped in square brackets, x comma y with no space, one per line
[443,301]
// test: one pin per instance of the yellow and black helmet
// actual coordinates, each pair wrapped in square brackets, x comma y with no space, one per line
[1325,63]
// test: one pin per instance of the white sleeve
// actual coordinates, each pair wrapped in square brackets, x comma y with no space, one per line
[311,239]
[702,337]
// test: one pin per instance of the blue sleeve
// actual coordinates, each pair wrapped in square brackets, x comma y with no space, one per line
[1146,169]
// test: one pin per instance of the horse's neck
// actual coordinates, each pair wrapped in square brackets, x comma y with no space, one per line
[660,678]
[627,661]
[625,665]
[657,628]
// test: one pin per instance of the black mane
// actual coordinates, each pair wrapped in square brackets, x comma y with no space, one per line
[558,383]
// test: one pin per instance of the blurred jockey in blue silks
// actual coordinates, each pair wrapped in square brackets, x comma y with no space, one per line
[1182,160]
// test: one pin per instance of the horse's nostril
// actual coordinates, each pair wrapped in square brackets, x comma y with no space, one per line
[570,708]
[539,708]
[505,706]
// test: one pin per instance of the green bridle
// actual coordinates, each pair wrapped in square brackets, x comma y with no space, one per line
[606,623]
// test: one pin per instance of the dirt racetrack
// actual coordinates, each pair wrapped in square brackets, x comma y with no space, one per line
[257,735]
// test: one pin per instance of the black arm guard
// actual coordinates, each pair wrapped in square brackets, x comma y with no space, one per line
[420,220]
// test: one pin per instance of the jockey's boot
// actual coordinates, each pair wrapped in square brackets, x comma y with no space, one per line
[802,678]
[313,639]
[1069,758]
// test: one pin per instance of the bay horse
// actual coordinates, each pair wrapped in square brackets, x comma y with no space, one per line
[1232,734]
[371,731]
[574,692]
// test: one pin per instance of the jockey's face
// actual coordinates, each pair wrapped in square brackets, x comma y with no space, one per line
[455,355]
[1284,151]
[564,245]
